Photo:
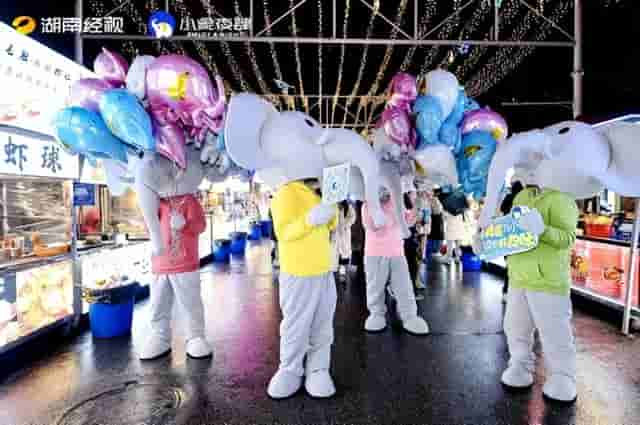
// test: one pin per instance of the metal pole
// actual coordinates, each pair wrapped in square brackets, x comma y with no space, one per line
[166,5]
[415,19]
[577,59]
[78,51]
[335,12]
[340,41]
[496,20]
[633,271]
[251,17]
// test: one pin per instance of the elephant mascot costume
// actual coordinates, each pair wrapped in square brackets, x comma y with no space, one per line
[560,164]
[289,151]
[175,219]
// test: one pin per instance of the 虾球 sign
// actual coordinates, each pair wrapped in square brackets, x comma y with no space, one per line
[505,236]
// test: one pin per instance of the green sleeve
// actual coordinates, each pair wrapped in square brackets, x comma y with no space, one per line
[560,229]
[288,224]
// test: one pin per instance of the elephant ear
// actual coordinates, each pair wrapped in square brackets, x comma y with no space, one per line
[623,174]
[246,117]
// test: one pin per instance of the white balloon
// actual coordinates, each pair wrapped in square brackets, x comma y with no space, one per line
[438,164]
[445,87]
[137,75]
[274,178]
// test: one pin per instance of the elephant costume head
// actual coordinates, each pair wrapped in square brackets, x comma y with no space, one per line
[570,157]
[290,145]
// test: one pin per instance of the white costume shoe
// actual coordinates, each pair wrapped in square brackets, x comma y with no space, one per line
[560,388]
[375,323]
[155,348]
[199,348]
[284,384]
[319,384]
[516,376]
[416,326]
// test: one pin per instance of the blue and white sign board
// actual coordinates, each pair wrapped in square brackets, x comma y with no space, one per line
[505,236]
[335,183]
[84,194]
[25,156]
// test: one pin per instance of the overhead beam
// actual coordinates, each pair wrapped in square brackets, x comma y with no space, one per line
[338,41]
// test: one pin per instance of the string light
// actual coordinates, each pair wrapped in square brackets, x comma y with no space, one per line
[363,61]
[294,30]
[509,58]
[387,55]
[252,57]
[429,13]
[444,33]
[272,46]
[345,24]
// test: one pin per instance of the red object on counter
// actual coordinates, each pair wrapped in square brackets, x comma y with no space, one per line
[598,230]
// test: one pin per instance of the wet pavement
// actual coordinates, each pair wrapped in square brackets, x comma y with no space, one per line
[449,377]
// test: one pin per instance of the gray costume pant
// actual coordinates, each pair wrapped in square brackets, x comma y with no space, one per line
[308,305]
[378,271]
[551,315]
[184,288]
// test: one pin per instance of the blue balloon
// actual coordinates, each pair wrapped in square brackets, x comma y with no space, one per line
[474,160]
[450,135]
[84,132]
[126,118]
[428,120]
[457,114]
[470,104]
[220,144]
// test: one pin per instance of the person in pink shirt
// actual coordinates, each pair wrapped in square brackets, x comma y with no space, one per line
[384,260]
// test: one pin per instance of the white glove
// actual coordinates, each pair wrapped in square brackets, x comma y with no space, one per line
[321,214]
[209,154]
[532,222]
[177,221]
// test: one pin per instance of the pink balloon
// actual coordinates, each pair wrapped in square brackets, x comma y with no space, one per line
[111,67]
[170,143]
[486,120]
[404,90]
[397,125]
[86,93]
[179,89]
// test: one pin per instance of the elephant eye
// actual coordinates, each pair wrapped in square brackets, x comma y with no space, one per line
[309,123]
[564,130]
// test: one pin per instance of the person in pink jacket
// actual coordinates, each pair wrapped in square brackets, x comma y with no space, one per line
[384,260]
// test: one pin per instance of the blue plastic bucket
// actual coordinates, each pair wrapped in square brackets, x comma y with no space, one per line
[221,250]
[238,243]
[255,232]
[111,311]
[471,262]
[267,228]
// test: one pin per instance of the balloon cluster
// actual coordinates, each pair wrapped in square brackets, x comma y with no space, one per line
[449,136]
[155,105]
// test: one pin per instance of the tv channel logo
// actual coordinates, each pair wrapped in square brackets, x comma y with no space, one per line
[24,24]
[161,24]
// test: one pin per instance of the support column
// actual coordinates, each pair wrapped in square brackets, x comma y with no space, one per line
[78,47]
[496,19]
[577,59]
[633,271]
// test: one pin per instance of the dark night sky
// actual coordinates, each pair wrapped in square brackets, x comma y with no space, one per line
[611,58]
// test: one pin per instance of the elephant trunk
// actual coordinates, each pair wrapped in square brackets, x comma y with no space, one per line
[149,201]
[348,146]
[524,150]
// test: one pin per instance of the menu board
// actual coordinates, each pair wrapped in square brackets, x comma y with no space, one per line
[35,81]
[602,268]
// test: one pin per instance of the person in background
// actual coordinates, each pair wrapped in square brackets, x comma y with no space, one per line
[505,208]
[411,244]
[436,235]
[384,260]
[342,235]
[357,243]
[90,221]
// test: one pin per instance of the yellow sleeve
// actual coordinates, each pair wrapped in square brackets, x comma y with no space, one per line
[287,225]
[333,223]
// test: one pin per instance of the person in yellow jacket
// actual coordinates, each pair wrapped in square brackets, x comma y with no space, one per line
[307,291]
